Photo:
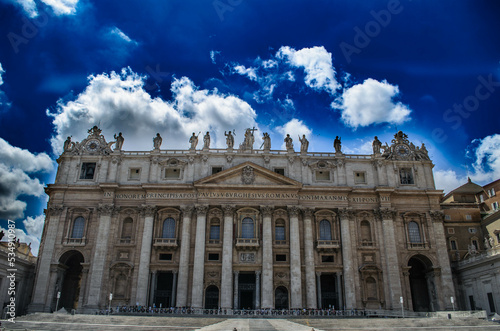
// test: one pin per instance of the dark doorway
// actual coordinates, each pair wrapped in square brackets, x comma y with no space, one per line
[246,288]
[70,287]
[163,293]
[329,295]
[418,285]
[212,297]
[281,298]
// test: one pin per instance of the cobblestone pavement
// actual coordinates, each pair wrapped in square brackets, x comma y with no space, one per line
[63,322]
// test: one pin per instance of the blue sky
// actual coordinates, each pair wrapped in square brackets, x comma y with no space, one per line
[355,69]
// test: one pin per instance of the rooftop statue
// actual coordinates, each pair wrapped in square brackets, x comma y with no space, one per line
[289,143]
[119,141]
[157,141]
[337,145]
[206,141]
[304,144]
[229,139]
[194,140]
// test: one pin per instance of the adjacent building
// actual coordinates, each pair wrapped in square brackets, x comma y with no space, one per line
[241,227]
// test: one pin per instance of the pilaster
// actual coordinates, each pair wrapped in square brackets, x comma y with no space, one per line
[309,260]
[227,259]
[295,268]
[182,284]
[199,257]
[145,254]
[267,257]
[347,259]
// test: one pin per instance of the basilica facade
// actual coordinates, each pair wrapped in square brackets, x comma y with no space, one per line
[242,227]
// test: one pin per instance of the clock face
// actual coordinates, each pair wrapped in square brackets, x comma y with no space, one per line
[92,145]
[402,150]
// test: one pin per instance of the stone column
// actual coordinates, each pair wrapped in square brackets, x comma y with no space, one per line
[318,285]
[42,290]
[144,258]
[174,288]
[267,257]
[226,290]
[83,284]
[347,259]
[99,258]
[309,259]
[295,267]
[199,257]
[339,290]
[182,284]
[236,292]
[443,260]
[392,271]
[257,290]
[152,288]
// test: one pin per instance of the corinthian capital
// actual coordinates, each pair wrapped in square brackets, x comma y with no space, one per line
[293,211]
[55,210]
[345,213]
[105,209]
[187,210]
[437,215]
[201,209]
[148,210]
[308,212]
[228,210]
[385,213]
[267,211]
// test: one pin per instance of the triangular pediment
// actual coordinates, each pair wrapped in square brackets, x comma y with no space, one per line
[247,174]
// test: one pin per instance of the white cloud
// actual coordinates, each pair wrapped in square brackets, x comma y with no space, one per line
[487,159]
[371,102]
[295,128]
[448,180]
[213,55]
[13,183]
[249,72]
[62,7]
[29,7]
[33,233]
[361,147]
[34,226]
[120,104]
[15,157]
[317,64]
[1,73]
[120,34]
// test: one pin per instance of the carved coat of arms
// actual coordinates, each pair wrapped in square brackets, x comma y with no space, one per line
[248,175]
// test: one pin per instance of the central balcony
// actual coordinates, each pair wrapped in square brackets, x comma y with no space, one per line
[247,243]
[327,245]
[165,243]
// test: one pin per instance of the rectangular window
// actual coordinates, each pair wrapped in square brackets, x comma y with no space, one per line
[88,170]
[492,192]
[406,176]
[359,178]
[279,233]
[280,171]
[134,174]
[216,170]
[280,257]
[481,197]
[327,258]
[474,242]
[494,205]
[451,230]
[172,173]
[447,217]
[453,245]
[215,232]
[165,257]
[468,217]
[322,175]
[213,256]
[472,230]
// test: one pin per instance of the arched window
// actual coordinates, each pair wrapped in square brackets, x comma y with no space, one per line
[168,228]
[414,232]
[279,230]
[325,230]
[78,227]
[215,229]
[247,228]
[366,233]
[127,228]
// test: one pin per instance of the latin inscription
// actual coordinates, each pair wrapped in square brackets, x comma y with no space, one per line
[245,195]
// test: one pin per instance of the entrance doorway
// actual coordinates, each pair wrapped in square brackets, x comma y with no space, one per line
[163,293]
[70,287]
[419,284]
[281,298]
[212,297]
[246,290]
[329,295]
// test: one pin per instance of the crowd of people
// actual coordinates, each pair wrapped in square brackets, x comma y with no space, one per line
[153,310]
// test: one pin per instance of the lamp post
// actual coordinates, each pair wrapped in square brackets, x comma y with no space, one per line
[58,297]
[109,305]
[452,303]
[402,307]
